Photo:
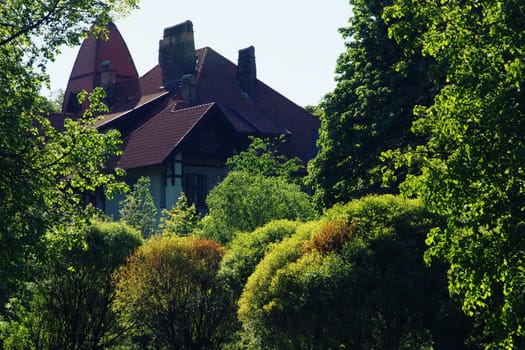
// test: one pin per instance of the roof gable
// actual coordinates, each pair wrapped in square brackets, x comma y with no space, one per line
[87,69]
[154,119]
[154,141]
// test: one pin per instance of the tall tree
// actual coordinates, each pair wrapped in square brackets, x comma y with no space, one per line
[370,110]
[42,171]
[474,161]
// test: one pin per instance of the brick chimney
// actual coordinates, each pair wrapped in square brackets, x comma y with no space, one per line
[177,52]
[247,71]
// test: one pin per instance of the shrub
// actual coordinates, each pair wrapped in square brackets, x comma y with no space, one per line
[69,308]
[248,248]
[354,279]
[169,296]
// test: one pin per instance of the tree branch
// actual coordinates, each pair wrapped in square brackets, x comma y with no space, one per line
[32,26]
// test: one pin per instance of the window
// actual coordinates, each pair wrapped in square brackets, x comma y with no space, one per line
[195,188]
[173,170]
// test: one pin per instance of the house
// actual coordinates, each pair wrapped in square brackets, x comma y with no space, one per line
[182,119]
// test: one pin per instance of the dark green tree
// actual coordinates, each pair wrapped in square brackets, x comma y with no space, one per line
[43,172]
[370,111]
[138,209]
[473,168]
[243,202]
[262,158]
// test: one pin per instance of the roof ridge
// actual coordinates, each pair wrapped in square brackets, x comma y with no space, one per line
[188,108]
[150,71]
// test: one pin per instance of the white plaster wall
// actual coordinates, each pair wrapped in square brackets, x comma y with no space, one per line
[158,184]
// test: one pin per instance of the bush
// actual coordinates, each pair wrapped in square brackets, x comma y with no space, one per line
[69,308]
[169,296]
[354,279]
[248,248]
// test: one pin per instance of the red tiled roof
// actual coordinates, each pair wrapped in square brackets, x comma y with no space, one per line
[265,113]
[268,110]
[155,140]
[87,69]
[151,82]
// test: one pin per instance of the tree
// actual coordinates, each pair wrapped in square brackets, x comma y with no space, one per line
[243,202]
[182,219]
[43,178]
[244,253]
[70,308]
[261,187]
[138,209]
[262,158]
[370,110]
[354,279]
[43,172]
[169,295]
[473,162]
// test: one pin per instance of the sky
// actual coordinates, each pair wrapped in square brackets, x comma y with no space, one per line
[296,42]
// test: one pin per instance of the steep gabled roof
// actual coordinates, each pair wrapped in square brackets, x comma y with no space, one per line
[87,70]
[153,142]
[264,114]
[154,119]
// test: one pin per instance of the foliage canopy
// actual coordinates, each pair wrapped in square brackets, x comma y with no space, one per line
[68,308]
[473,162]
[261,187]
[169,296]
[370,111]
[44,171]
[354,279]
